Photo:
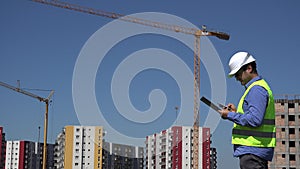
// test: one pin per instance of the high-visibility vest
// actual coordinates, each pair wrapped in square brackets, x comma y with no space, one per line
[262,136]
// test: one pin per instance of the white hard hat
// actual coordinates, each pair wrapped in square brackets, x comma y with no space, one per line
[238,60]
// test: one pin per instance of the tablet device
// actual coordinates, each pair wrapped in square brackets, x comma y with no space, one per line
[210,104]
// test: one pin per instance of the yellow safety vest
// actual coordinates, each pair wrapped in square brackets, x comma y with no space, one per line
[262,136]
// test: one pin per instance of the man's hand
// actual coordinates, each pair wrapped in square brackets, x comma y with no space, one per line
[229,108]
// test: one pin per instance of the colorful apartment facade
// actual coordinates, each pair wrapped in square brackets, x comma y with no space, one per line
[173,148]
[27,154]
[120,156]
[83,147]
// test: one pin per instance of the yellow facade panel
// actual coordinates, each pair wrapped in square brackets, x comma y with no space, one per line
[98,147]
[68,161]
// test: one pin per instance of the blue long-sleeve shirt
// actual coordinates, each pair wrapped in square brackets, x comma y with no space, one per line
[254,107]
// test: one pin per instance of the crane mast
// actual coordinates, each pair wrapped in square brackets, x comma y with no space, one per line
[180,29]
[41,99]
[196,101]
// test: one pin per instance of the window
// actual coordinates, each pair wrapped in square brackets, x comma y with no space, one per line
[282,129]
[291,143]
[283,155]
[291,117]
[291,130]
[291,105]
[282,116]
[292,157]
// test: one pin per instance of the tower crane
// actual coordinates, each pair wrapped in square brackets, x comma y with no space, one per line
[41,99]
[180,29]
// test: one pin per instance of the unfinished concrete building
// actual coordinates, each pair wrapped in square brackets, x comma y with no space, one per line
[287,151]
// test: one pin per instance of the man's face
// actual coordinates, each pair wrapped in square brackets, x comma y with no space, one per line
[243,75]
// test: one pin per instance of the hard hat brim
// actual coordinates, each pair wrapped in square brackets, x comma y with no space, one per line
[234,71]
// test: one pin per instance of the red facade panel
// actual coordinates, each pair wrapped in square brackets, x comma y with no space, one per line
[177,147]
[206,148]
[21,154]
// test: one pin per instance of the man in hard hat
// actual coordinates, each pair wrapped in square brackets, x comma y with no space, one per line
[253,133]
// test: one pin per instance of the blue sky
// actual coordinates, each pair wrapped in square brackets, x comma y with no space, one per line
[40,46]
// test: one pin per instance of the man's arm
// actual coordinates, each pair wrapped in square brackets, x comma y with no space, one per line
[255,105]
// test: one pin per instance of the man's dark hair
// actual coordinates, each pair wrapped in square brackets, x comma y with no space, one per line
[253,65]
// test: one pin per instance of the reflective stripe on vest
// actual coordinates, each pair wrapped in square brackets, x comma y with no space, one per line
[262,136]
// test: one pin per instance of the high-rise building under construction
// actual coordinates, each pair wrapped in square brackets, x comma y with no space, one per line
[287,150]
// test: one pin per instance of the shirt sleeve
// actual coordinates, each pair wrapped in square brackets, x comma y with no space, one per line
[254,107]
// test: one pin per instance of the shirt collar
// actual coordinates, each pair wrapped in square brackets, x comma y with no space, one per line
[253,80]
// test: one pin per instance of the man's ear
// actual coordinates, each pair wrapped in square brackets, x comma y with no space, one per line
[249,69]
